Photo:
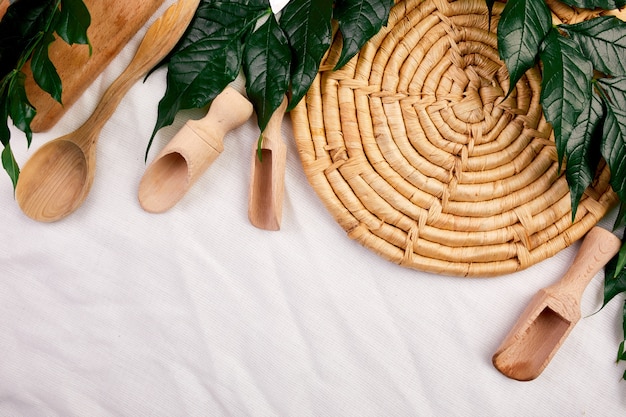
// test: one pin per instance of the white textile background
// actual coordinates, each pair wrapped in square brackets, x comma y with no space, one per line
[117,312]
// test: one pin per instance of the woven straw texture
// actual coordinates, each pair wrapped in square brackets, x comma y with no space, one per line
[418,155]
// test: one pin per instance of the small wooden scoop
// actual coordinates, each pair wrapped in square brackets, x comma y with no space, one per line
[267,185]
[553,312]
[183,160]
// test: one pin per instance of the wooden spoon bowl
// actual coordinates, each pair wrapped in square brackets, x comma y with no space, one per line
[62,171]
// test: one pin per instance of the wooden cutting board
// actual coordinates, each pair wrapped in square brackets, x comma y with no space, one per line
[3,7]
[113,24]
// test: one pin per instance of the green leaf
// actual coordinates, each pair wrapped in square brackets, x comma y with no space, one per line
[565,87]
[222,18]
[26,18]
[20,109]
[266,65]
[621,260]
[615,91]
[614,281]
[523,26]
[307,26]
[620,351]
[624,325]
[22,22]
[613,148]
[603,41]
[5,133]
[620,219]
[582,150]
[208,58]
[219,19]
[592,4]
[73,23]
[359,20]
[10,164]
[44,72]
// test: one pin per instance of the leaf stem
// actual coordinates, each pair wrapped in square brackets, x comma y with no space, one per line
[259,148]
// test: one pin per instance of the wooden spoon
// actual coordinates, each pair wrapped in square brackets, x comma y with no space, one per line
[553,312]
[183,160]
[56,179]
[267,185]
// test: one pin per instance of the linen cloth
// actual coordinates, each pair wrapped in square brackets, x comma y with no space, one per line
[194,312]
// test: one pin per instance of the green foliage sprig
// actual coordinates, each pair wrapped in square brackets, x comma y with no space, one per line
[583,94]
[279,54]
[26,31]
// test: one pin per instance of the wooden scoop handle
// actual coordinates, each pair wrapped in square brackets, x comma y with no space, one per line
[228,111]
[598,247]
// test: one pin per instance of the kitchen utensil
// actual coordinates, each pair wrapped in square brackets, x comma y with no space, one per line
[554,311]
[113,24]
[183,160]
[56,179]
[267,183]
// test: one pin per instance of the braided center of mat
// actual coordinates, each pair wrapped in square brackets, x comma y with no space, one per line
[418,153]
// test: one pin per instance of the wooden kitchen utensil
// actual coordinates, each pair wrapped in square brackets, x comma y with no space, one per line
[113,24]
[57,178]
[267,183]
[553,312]
[183,160]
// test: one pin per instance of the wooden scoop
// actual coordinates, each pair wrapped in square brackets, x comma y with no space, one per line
[553,312]
[183,160]
[267,185]
[56,179]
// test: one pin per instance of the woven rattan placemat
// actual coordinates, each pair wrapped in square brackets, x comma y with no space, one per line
[417,154]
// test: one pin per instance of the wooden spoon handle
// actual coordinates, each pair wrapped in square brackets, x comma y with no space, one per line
[598,247]
[158,41]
